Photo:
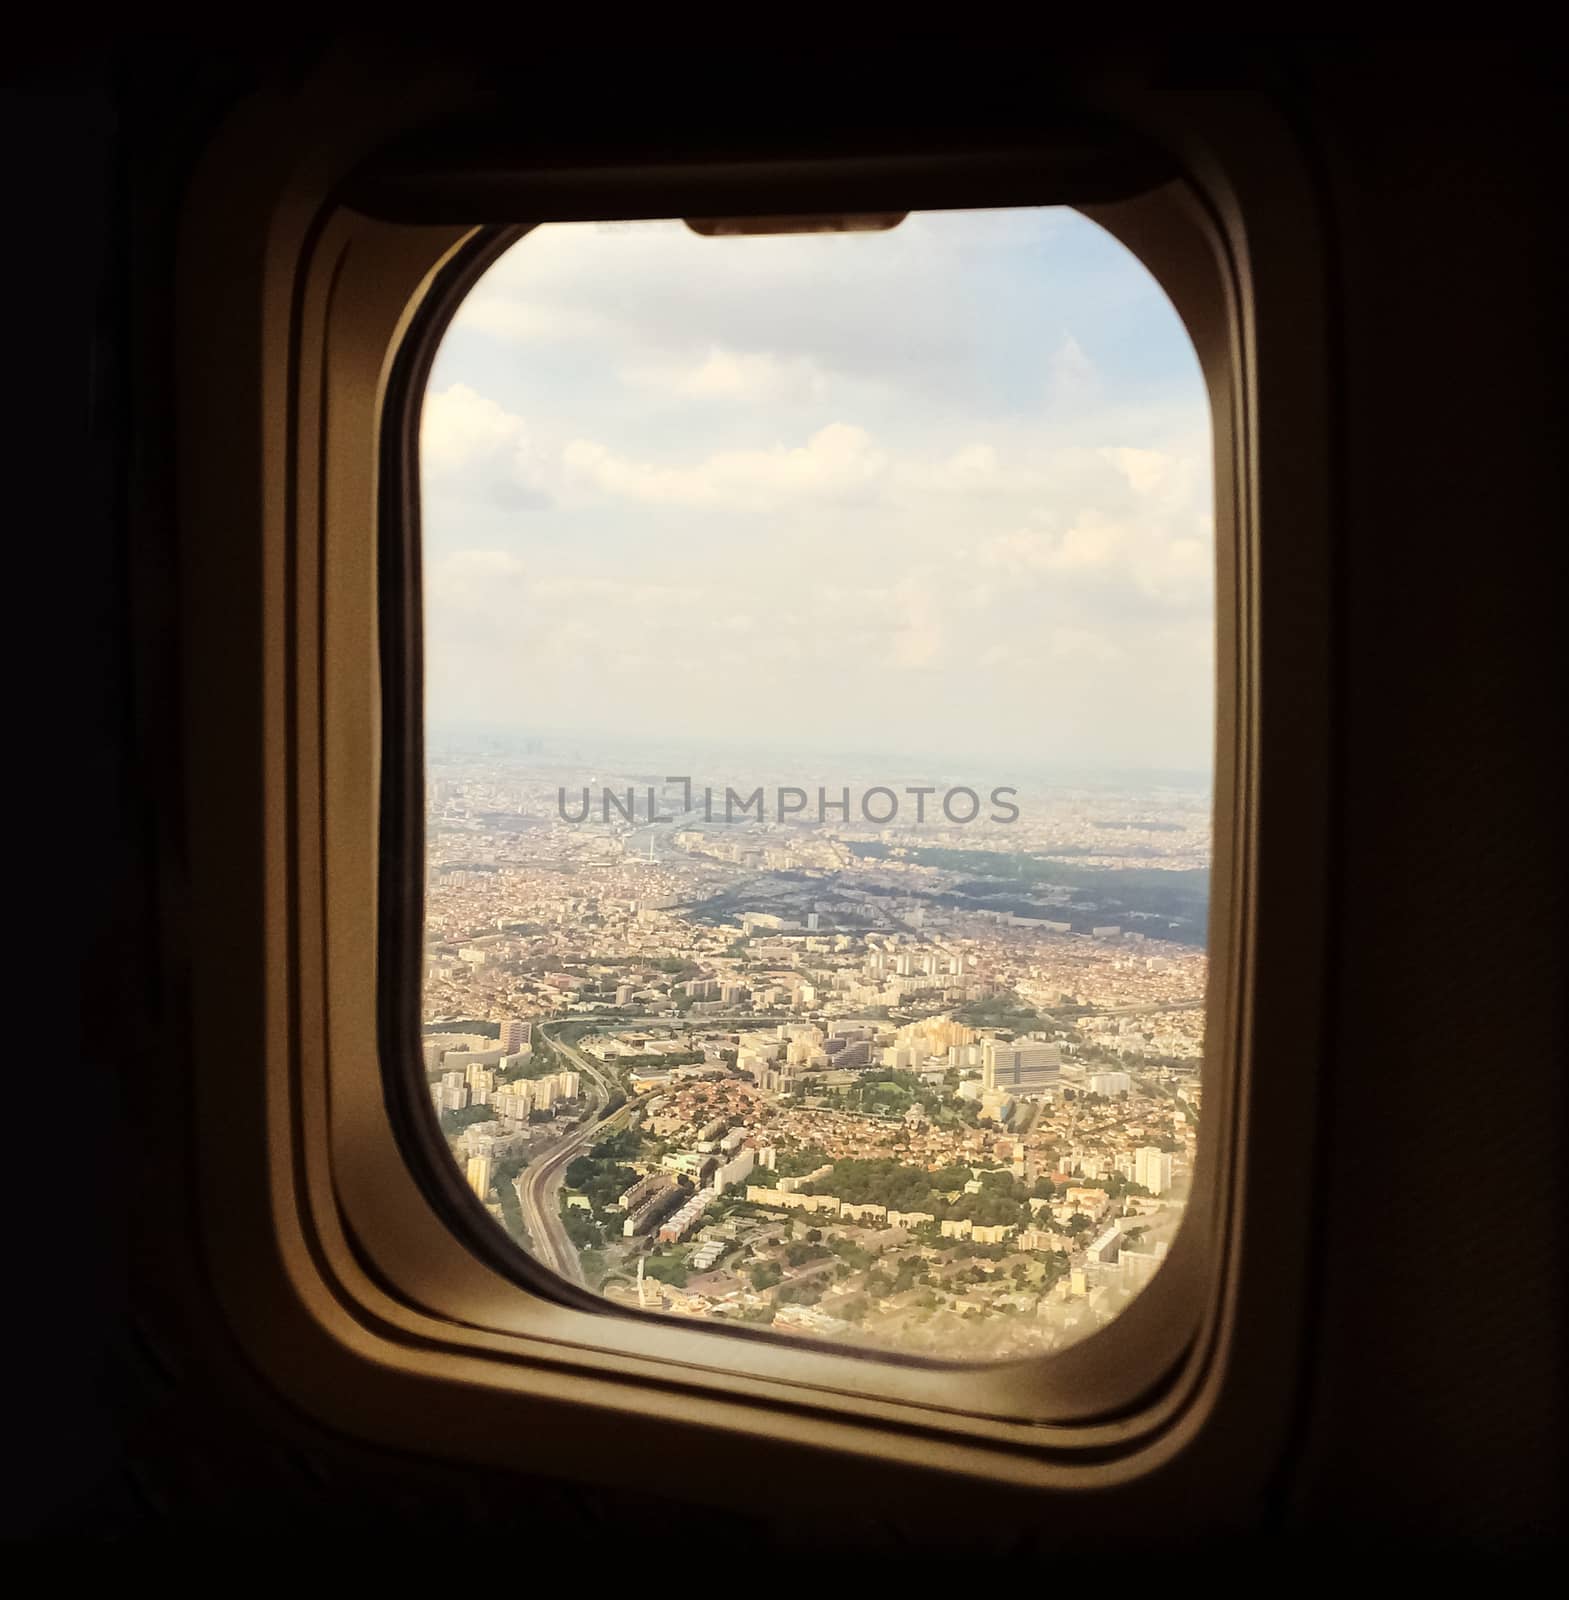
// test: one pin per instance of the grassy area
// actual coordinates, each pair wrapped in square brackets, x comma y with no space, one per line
[511,1212]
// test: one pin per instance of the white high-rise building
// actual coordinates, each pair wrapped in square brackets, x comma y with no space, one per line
[1109,1084]
[734,1171]
[514,1100]
[1152,1168]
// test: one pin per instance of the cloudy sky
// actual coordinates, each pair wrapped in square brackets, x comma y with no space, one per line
[938,491]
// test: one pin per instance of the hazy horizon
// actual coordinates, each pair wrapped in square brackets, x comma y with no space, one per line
[628,746]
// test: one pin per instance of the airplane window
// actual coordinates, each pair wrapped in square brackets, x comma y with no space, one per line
[820,688]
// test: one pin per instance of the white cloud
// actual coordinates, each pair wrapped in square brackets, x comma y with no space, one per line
[526,322]
[1091,542]
[480,449]
[459,428]
[835,461]
[1146,470]
[1083,644]
[784,474]
[753,376]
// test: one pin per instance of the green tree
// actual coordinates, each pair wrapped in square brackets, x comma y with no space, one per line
[581,1228]
[456,1121]
[665,1269]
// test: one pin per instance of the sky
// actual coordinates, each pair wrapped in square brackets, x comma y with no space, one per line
[943,491]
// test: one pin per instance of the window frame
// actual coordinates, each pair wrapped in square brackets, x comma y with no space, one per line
[402,933]
[337,1269]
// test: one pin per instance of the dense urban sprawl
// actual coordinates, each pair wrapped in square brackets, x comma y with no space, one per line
[928,1087]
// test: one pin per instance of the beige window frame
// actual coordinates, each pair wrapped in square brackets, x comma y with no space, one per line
[342,1274]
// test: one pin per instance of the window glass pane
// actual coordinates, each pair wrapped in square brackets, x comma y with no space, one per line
[820,687]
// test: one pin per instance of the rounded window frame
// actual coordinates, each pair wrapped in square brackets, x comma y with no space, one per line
[400,970]
[354,1241]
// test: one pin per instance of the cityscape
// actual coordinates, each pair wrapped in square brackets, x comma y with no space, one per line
[931,1088]
[819,664]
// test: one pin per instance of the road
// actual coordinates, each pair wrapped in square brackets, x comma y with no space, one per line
[539,1184]
[770,1019]
[1143,1011]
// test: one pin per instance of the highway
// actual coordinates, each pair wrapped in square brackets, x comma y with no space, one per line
[539,1184]
[1143,1011]
[771,1019]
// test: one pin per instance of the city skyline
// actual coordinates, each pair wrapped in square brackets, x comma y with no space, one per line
[935,1091]
[543,745]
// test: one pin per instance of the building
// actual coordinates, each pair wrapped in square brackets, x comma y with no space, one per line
[478,1173]
[1139,1266]
[461,1060]
[680,1223]
[1022,1065]
[516,1037]
[642,1190]
[1152,1169]
[790,1185]
[514,1101]
[996,1104]
[656,1196]
[789,1200]
[705,1255]
[436,1048]
[735,1170]
[693,1164]
[1104,1249]
[993,1233]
